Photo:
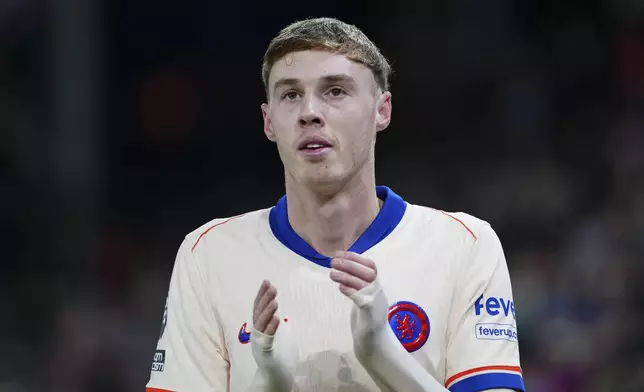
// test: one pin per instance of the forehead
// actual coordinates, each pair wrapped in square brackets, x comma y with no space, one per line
[312,65]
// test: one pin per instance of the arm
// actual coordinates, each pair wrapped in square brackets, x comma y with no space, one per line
[378,349]
[482,347]
[380,352]
[190,354]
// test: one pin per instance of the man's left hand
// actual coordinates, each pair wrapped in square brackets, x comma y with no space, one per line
[352,271]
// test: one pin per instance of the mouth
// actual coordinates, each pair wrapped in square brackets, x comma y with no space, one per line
[315,148]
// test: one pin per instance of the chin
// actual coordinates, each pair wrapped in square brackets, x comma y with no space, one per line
[324,179]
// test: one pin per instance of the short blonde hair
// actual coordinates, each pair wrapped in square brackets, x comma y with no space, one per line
[331,35]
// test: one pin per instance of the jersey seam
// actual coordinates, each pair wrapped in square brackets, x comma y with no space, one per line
[210,298]
[462,224]
[221,222]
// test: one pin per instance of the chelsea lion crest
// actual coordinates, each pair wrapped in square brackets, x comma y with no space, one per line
[410,324]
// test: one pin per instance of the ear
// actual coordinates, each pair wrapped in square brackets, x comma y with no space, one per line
[383,116]
[268,126]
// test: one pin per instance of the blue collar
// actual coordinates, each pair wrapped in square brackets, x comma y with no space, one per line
[390,215]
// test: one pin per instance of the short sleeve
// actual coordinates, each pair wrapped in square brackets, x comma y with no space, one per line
[190,354]
[482,344]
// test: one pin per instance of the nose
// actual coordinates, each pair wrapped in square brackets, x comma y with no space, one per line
[310,115]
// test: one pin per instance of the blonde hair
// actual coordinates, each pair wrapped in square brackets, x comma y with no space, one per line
[330,35]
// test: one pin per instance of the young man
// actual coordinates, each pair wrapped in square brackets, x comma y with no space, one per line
[342,285]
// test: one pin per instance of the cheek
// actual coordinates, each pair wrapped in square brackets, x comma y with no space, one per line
[283,143]
[354,117]
[365,134]
[284,136]
[281,125]
[361,125]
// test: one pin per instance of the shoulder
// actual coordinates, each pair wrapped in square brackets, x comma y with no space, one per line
[475,241]
[233,228]
[454,223]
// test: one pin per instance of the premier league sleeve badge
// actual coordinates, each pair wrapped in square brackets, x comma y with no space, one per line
[164,322]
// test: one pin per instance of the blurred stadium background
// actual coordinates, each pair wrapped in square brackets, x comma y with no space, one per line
[126,124]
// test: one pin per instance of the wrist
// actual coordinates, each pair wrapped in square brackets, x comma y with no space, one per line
[368,295]
[261,340]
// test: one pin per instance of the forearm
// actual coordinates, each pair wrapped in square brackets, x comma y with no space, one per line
[380,352]
[394,369]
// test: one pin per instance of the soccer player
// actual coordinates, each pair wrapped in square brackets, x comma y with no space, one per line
[341,285]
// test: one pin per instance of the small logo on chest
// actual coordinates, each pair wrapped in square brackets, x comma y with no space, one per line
[244,336]
[410,324]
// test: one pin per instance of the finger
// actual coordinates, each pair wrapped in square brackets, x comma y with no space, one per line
[260,293]
[265,316]
[346,290]
[272,326]
[268,296]
[358,258]
[348,280]
[354,268]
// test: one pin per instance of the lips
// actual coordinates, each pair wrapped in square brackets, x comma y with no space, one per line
[314,143]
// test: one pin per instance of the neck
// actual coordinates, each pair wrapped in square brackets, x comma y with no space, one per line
[332,221]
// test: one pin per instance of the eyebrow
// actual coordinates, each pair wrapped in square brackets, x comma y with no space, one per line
[337,78]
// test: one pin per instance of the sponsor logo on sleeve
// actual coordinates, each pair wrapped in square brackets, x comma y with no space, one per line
[491,331]
[495,306]
[159,361]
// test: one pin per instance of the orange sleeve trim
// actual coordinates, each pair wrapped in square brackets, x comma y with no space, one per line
[157,390]
[212,227]
[461,222]
[483,369]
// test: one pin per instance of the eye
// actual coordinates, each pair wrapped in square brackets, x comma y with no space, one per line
[336,92]
[290,95]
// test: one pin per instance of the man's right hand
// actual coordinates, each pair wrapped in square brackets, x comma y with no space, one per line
[274,352]
[265,319]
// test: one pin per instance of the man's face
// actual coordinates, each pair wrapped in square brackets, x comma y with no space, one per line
[323,112]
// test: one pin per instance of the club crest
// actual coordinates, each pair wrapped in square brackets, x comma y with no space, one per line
[410,324]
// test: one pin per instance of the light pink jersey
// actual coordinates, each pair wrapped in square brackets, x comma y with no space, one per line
[445,276]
